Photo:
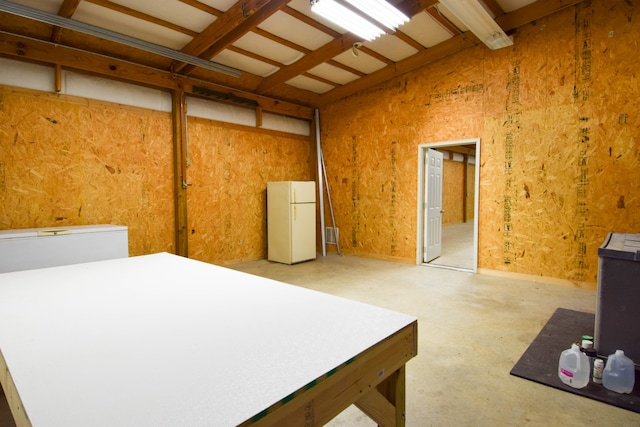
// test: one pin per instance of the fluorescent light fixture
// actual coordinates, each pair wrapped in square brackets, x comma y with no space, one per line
[367,22]
[382,12]
[53,19]
[474,16]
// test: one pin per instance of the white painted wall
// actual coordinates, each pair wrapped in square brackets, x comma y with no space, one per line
[40,77]
[198,107]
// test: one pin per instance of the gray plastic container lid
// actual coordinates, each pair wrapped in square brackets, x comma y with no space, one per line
[621,246]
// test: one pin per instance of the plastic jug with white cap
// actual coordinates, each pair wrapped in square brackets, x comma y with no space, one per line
[573,367]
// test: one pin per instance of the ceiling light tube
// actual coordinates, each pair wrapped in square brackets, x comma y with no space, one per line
[346,18]
[382,12]
[478,20]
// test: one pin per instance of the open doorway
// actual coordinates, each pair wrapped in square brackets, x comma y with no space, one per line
[456,230]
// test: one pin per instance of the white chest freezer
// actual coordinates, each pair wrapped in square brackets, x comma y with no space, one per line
[30,248]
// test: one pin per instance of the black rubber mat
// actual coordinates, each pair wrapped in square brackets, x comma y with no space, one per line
[540,362]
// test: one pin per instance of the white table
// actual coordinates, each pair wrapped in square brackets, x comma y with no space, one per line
[161,340]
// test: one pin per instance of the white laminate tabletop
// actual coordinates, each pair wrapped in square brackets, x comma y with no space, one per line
[161,340]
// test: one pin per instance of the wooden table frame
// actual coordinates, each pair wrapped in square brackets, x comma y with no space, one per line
[374,381]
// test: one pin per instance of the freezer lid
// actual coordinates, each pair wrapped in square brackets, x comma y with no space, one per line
[24,233]
[303,192]
[621,246]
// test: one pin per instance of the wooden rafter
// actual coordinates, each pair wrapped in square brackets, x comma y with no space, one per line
[203,7]
[335,47]
[494,7]
[317,57]
[346,68]
[376,55]
[304,50]
[418,60]
[315,24]
[241,18]
[36,50]
[244,16]
[408,40]
[508,21]
[532,12]
[254,56]
[145,17]
[443,21]
[320,79]
[67,9]
[413,7]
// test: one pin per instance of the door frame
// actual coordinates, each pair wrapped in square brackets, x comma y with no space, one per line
[421,201]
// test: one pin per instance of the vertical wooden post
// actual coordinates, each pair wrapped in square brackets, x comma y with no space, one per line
[58,78]
[180,172]
[258,117]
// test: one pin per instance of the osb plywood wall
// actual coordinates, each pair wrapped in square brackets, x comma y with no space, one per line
[229,170]
[68,161]
[557,115]
[452,192]
[471,191]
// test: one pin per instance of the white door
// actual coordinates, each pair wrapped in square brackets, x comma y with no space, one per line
[433,206]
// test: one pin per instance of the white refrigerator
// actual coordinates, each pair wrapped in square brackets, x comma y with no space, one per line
[291,221]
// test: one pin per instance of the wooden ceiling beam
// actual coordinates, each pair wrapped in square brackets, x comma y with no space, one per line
[67,9]
[321,79]
[376,55]
[335,47]
[203,7]
[408,40]
[281,41]
[304,50]
[311,22]
[346,68]
[508,21]
[494,7]
[427,56]
[307,62]
[143,16]
[254,56]
[241,18]
[23,48]
[413,7]
[443,21]
[234,16]
[533,12]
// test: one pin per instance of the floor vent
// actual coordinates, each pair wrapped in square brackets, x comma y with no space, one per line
[331,235]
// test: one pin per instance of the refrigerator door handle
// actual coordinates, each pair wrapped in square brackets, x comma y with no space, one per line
[295,212]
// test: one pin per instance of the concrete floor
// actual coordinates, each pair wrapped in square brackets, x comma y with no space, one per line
[472,329]
[457,246]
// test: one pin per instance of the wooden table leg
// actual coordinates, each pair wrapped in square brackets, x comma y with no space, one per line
[386,403]
[11,394]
